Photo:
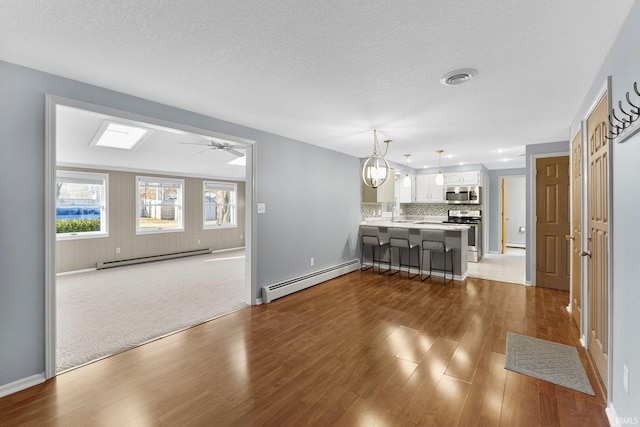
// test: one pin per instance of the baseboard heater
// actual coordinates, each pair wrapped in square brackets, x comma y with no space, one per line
[139,260]
[277,290]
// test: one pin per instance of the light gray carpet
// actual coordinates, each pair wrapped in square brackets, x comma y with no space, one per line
[556,363]
[104,312]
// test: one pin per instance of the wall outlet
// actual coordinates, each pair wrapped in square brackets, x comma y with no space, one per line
[625,379]
[117,250]
[262,208]
[198,241]
[312,262]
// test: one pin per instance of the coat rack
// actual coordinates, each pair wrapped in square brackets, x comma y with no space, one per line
[622,123]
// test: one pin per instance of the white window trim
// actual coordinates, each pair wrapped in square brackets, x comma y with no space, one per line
[180,227]
[230,185]
[104,226]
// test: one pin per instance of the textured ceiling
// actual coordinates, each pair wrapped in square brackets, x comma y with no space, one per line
[328,72]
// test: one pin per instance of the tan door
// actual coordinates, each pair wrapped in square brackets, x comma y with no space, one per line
[504,216]
[576,227]
[598,238]
[552,226]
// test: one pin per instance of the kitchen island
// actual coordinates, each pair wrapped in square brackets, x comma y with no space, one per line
[455,238]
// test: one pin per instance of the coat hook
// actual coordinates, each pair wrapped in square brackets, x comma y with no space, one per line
[624,122]
[635,88]
[633,105]
[631,118]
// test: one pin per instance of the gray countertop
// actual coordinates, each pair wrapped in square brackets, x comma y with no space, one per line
[414,224]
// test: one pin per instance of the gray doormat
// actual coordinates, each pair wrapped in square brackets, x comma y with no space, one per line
[556,363]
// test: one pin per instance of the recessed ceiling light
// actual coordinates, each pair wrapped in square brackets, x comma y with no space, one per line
[121,136]
[457,77]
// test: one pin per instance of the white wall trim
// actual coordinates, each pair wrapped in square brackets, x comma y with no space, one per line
[612,415]
[69,273]
[21,384]
[50,306]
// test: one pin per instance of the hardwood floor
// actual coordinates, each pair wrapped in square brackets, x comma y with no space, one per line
[362,349]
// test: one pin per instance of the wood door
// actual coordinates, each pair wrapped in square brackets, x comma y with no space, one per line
[576,228]
[552,222]
[598,238]
[503,248]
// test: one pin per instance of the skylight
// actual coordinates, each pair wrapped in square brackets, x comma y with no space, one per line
[123,137]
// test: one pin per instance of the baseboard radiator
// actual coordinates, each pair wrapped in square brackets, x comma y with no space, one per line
[277,290]
[139,260]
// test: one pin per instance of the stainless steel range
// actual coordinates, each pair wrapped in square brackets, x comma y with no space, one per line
[472,218]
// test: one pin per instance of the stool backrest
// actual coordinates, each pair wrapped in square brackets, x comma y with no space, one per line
[370,235]
[433,240]
[399,237]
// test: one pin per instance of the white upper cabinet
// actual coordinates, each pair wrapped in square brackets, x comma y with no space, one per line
[463,178]
[427,190]
[405,193]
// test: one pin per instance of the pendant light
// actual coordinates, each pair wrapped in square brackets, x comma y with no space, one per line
[407,179]
[440,176]
[375,169]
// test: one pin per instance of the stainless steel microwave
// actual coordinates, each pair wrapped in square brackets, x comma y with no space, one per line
[462,195]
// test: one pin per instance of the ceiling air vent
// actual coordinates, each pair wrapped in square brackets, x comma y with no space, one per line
[457,77]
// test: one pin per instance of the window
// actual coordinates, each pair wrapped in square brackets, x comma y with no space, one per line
[219,204]
[159,207]
[81,205]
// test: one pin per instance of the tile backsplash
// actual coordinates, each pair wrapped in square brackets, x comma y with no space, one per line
[369,210]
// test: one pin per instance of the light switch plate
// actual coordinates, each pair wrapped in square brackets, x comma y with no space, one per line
[262,208]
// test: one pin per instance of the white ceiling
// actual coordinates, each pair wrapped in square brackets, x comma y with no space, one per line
[328,72]
[164,150]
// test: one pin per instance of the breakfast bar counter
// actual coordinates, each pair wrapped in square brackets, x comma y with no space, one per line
[455,238]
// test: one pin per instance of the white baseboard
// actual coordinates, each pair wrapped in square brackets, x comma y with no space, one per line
[68,273]
[614,421]
[528,283]
[227,250]
[21,384]
[258,301]
[583,341]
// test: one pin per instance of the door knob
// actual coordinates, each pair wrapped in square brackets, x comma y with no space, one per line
[586,253]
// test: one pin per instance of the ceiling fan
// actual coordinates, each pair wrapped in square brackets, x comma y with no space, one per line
[215,145]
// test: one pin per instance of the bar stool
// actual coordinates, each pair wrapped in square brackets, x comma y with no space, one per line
[399,238]
[371,238]
[434,241]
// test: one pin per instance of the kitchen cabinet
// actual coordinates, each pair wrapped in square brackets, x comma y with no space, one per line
[382,194]
[463,178]
[427,190]
[405,194]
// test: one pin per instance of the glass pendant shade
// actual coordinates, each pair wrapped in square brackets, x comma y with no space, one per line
[375,171]
[407,181]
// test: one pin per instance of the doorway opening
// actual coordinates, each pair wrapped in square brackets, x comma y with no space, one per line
[181,191]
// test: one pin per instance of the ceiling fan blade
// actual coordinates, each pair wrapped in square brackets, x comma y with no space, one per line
[234,152]
[206,149]
[196,143]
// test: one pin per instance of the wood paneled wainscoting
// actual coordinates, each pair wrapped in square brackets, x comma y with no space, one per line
[363,349]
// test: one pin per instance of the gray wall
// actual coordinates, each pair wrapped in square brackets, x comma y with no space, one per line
[312,197]
[623,64]
[495,207]
[79,254]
